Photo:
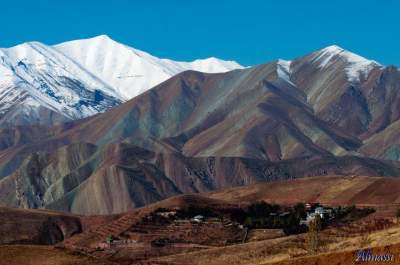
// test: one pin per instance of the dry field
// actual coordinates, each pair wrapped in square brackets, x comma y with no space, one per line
[43,255]
[335,250]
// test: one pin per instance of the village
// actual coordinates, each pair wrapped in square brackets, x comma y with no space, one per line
[196,227]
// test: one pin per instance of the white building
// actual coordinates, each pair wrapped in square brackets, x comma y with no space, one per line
[198,219]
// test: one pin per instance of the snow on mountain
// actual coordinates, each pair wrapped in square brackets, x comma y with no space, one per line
[283,70]
[356,66]
[37,80]
[46,85]
[131,71]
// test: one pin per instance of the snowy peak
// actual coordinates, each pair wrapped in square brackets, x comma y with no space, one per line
[214,65]
[327,54]
[39,84]
[131,71]
[355,66]
[53,80]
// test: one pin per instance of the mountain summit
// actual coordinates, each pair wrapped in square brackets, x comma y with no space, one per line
[41,84]
[131,71]
[356,66]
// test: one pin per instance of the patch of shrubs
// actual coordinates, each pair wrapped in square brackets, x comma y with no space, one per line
[350,214]
[160,242]
[272,216]
[191,211]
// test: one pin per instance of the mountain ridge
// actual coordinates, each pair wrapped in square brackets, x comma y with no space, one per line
[43,84]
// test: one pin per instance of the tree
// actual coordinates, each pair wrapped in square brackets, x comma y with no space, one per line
[259,209]
[300,210]
[398,215]
[238,215]
[110,239]
[291,224]
[248,222]
[313,241]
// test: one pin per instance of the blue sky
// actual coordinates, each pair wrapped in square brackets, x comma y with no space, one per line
[250,31]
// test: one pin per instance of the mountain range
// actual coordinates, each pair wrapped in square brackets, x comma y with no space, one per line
[41,84]
[330,112]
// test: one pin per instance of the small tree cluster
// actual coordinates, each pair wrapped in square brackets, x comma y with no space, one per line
[313,239]
[398,215]
[191,211]
[365,240]
[264,215]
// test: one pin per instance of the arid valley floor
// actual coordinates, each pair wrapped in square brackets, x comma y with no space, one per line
[212,241]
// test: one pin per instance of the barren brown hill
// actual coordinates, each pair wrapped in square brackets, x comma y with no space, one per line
[19,226]
[331,190]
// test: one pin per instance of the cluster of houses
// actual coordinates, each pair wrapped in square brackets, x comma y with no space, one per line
[312,210]
[168,214]
[315,209]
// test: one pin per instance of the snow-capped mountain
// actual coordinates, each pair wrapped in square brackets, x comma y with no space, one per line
[356,67]
[38,84]
[131,71]
[44,84]
[333,59]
